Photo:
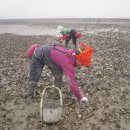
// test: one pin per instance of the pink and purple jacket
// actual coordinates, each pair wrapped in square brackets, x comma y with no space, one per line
[67,63]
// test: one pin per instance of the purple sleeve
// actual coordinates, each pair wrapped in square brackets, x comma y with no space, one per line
[69,73]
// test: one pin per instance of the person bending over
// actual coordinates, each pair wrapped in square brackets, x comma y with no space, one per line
[67,35]
[60,61]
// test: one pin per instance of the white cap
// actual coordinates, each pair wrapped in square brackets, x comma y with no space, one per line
[59,29]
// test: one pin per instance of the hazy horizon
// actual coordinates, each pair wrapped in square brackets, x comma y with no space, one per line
[35,9]
[59,18]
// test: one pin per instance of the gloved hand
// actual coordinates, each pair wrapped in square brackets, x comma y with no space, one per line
[84,100]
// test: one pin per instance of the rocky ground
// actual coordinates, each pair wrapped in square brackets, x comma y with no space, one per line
[106,82]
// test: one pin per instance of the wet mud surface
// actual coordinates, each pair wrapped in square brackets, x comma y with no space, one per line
[106,82]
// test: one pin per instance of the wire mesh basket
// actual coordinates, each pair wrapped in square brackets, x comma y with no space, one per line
[50,109]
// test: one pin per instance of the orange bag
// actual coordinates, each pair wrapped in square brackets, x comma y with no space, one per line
[85,55]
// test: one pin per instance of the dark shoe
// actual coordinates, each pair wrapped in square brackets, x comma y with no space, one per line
[30,92]
[31,88]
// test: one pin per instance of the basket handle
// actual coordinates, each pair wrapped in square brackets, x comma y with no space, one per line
[43,92]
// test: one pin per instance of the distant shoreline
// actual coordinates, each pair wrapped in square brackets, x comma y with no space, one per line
[47,26]
[64,18]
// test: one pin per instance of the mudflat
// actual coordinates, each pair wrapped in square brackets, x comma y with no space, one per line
[106,83]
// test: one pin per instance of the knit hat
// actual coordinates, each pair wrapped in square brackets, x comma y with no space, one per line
[31,50]
[59,29]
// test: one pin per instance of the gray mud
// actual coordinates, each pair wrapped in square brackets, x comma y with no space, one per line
[106,82]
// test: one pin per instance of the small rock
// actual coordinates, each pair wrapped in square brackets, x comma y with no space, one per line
[79,116]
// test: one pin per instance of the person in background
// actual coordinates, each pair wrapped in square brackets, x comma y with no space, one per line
[60,61]
[67,35]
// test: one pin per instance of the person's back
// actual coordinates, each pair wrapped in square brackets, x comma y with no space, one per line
[66,56]
[66,31]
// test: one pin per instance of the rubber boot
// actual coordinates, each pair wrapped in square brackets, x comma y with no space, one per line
[30,92]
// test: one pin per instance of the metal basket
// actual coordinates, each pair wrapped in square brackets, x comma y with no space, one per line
[51,111]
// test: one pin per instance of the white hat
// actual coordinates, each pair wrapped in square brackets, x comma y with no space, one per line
[59,29]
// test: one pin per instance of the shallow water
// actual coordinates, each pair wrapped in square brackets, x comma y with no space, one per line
[48,26]
[26,29]
[39,30]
